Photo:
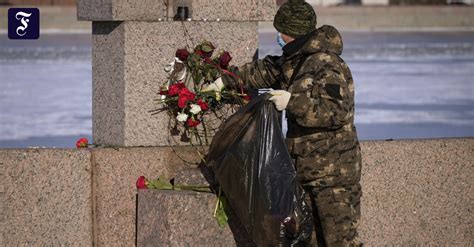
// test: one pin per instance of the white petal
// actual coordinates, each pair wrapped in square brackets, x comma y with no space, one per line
[195,109]
[182,117]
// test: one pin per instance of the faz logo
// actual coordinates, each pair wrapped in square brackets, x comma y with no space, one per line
[23,23]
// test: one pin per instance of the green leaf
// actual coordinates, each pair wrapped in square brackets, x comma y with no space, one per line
[207,46]
[197,79]
[161,184]
[209,77]
[221,216]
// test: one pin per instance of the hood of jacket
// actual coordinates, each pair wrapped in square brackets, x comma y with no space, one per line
[325,39]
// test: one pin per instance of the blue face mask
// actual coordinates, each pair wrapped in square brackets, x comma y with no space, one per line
[280,40]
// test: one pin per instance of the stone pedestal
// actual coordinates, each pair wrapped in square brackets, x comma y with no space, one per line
[178,218]
[134,40]
[184,218]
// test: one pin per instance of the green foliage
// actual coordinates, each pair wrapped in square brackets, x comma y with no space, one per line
[205,46]
[160,184]
[221,216]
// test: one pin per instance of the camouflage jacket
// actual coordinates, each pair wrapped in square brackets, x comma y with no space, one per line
[321,108]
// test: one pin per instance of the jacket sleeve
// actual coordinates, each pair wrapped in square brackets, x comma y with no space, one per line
[322,96]
[261,73]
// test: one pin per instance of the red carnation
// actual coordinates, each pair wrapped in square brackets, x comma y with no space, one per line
[175,89]
[182,54]
[204,106]
[163,92]
[142,182]
[224,60]
[184,96]
[192,123]
[82,143]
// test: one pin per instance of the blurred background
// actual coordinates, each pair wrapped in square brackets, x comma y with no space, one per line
[412,63]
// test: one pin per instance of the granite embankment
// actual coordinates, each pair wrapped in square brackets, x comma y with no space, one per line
[415,192]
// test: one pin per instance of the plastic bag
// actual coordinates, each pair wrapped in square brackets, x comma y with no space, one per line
[251,163]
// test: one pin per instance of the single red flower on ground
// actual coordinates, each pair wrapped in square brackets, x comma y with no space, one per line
[184,96]
[192,123]
[142,182]
[182,54]
[175,89]
[82,143]
[247,97]
[204,106]
[224,60]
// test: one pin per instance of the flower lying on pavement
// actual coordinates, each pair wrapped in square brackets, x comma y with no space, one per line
[161,183]
[82,143]
[142,183]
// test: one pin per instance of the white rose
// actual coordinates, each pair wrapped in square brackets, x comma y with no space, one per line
[182,117]
[195,109]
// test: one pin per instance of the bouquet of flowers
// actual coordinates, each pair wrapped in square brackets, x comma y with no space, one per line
[192,109]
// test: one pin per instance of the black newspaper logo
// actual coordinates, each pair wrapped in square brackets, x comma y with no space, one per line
[23,23]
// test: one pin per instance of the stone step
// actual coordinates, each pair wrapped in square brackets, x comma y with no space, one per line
[193,177]
[184,218]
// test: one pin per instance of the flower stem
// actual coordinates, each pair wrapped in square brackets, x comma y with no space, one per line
[218,202]
[194,188]
[201,157]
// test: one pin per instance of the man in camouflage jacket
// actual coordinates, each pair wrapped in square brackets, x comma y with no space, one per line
[321,135]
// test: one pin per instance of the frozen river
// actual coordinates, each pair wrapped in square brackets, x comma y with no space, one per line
[408,85]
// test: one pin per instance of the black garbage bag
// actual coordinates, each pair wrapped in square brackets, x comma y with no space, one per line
[251,164]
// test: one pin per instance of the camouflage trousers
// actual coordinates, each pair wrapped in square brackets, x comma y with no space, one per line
[328,166]
[336,214]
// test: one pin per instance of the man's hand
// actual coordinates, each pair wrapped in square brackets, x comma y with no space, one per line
[280,98]
[216,86]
